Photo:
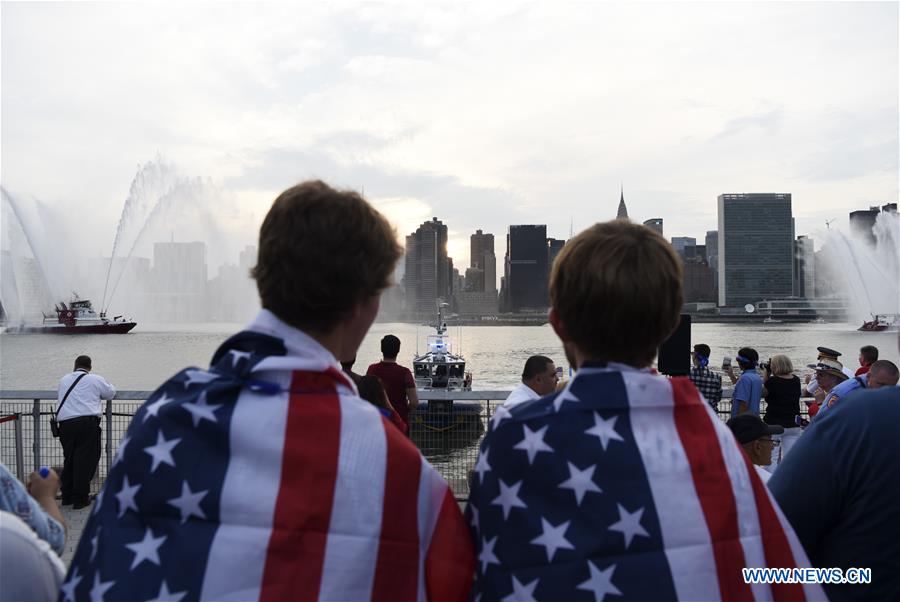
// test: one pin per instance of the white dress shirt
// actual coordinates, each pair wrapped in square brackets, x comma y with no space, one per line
[764,474]
[84,400]
[520,394]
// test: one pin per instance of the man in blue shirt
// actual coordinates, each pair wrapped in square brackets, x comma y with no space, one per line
[747,388]
[845,510]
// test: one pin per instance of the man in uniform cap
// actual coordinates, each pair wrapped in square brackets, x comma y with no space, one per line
[829,374]
[825,353]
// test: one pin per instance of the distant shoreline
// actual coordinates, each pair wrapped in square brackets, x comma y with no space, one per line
[531,320]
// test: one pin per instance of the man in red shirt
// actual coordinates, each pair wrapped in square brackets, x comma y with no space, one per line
[868,355]
[397,380]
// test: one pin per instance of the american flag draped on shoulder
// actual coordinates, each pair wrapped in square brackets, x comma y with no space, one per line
[623,486]
[267,478]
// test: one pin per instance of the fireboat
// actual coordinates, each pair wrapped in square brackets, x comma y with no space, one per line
[440,425]
[881,323]
[76,317]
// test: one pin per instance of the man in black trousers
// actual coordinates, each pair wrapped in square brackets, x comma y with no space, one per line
[79,413]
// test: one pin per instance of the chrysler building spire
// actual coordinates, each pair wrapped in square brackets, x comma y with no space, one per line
[622,213]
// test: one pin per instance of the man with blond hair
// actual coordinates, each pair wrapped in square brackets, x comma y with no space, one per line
[266,477]
[624,483]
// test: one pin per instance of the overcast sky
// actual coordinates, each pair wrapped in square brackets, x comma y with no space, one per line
[481,116]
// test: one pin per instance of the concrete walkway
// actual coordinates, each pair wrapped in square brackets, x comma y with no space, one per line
[76,520]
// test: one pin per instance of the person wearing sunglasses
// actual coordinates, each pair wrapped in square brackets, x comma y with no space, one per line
[755,436]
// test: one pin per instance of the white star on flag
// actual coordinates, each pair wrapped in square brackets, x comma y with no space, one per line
[237,356]
[188,503]
[120,452]
[162,451]
[199,377]
[474,523]
[68,588]
[553,538]
[629,524]
[482,466]
[99,588]
[533,442]
[201,410]
[508,498]
[95,544]
[487,556]
[146,549]
[126,496]
[600,582]
[580,482]
[564,396]
[605,430]
[165,595]
[153,408]
[500,414]
[522,592]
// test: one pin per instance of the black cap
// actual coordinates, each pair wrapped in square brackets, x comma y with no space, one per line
[750,427]
[829,352]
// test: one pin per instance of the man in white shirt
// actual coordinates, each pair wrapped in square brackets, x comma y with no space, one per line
[539,378]
[79,415]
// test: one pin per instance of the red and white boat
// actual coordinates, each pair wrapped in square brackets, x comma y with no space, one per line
[78,317]
[881,323]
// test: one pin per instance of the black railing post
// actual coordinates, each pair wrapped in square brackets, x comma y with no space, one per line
[108,435]
[20,451]
[36,445]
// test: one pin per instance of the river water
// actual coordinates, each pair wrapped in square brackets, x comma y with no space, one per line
[144,358]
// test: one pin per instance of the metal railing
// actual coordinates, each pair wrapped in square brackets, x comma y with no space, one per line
[447,428]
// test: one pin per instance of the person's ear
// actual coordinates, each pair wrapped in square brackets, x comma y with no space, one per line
[558,327]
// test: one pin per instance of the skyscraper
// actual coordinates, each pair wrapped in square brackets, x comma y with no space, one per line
[427,267]
[622,212]
[755,247]
[712,255]
[526,267]
[681,243]
[655,223]
[862,222]
[554,246]
[804,268]
[712,248]
[482,258]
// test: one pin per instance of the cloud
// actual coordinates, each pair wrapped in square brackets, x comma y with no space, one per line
[488,115]
[767,121]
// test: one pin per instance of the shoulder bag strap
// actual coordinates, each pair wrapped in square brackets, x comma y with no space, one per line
[66,396]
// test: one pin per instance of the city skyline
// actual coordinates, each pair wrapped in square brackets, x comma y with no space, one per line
[473,114]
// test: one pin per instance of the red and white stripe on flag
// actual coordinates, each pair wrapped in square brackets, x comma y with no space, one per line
[724,519]
[347,510]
